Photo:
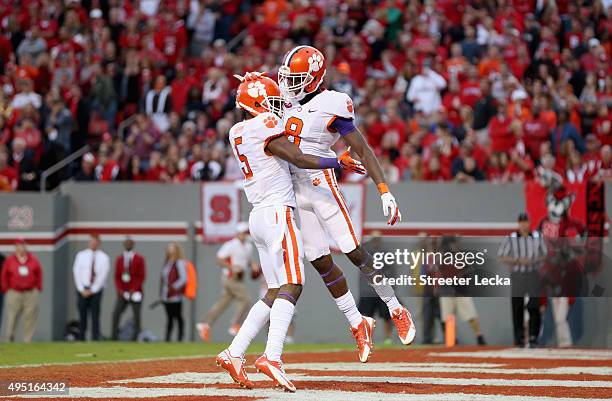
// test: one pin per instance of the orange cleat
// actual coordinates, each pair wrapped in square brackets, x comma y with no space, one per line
[363,335]
[274,370]
[234,365]
[404,325]
[203,331]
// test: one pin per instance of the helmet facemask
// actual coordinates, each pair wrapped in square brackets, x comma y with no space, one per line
[292,84]
[274,104]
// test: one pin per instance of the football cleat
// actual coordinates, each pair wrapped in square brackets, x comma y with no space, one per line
[203,331]
[233,330]
[363,335]
[404,325]
[234,365]
[274,370]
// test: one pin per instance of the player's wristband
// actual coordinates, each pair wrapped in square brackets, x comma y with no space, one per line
[328,162]
[382,188]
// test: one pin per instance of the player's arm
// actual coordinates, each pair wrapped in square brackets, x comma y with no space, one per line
[356,140]
[280,146]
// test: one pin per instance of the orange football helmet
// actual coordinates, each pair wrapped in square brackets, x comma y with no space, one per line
[259,95]
[302,72]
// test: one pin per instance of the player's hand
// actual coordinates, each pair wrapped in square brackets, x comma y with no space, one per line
[253,75]
[390,208]
[348,163]
[249,76]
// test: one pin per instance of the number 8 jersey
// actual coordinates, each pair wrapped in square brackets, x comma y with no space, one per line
[267,180]
[311,125]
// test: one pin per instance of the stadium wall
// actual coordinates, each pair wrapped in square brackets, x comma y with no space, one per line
[57,226]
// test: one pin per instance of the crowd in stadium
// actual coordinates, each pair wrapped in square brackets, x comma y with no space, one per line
[444,90]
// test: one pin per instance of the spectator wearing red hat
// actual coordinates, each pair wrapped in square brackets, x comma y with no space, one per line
[21,284]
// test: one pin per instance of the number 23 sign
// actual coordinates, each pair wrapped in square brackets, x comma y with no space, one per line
[220,211]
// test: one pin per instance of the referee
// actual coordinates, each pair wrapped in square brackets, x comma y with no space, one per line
[524,251]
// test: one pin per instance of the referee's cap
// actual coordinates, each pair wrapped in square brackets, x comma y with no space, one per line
[523,217]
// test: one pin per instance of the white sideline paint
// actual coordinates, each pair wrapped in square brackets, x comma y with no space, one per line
[122,393]
[491,368]
[517,353]
[216,378]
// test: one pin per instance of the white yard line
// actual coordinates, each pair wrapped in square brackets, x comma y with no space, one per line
[516,353]
[215,378]
[276,395]
[491,368]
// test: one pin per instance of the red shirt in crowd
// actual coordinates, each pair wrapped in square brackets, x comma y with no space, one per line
[603,130]
[536,132]
[180,91]
[470,92]
[502,138]
[8,179]
[21,274]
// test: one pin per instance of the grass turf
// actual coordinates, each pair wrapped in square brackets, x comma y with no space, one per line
[108,351]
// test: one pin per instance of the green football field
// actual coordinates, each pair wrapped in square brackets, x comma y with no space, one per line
[70,352]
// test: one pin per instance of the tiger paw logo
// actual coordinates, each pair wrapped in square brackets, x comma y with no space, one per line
[349,106]
[256,89]
[316,182]
[270,122]
[315,62]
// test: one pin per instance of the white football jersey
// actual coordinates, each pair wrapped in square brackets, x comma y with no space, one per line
[267,180]
[309,124]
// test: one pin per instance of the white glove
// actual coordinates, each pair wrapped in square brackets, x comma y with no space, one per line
[390,208]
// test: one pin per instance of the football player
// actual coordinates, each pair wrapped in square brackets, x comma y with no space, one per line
[262,150]
[316,118]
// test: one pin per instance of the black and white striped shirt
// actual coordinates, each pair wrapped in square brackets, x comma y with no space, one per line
[530,247]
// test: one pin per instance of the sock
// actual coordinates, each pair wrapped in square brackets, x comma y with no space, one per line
[384,291]
[280,319]
[346,304]
[392,302]
[255,321]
